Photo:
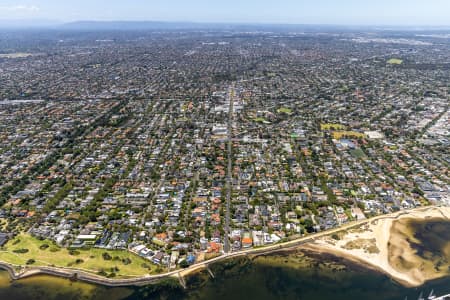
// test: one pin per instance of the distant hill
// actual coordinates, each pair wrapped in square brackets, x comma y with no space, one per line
[160,25]
[130,25]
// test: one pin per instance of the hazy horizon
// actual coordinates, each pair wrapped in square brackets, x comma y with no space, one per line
[319,12]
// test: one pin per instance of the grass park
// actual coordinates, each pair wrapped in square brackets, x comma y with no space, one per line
[337,135]
[27,250]
[285,110]
[395,61]
[358,153]
[331,126]
[261,120]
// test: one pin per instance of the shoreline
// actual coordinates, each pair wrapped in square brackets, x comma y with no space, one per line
[383,236]
[314,243]
[361,262]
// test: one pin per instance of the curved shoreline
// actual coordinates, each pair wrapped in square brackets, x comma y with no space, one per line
[363,263]
[381,235]
[307,242]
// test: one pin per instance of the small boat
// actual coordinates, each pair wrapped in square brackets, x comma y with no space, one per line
[432,296]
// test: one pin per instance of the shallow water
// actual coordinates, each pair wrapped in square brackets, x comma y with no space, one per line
[293,275]
[257,281]
[53,288]
[277,279]
[433,238]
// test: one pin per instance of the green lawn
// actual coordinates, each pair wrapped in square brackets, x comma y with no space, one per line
[285,110]
[60,257]
[358,153]
[395,61]
[328,126]
[261,120]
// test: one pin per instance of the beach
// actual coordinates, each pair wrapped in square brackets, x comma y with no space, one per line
[387,244]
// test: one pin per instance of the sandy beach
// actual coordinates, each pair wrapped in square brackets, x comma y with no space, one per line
[384,244]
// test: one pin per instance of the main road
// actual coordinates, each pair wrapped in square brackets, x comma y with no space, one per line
[229,183]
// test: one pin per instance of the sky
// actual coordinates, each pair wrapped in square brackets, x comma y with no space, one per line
[338,12]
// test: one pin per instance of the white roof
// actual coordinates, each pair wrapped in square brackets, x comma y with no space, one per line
[86,237]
